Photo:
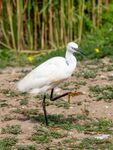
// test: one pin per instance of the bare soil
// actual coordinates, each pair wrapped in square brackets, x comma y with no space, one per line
[82,104]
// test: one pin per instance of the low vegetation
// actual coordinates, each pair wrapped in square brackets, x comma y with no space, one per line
[78,125]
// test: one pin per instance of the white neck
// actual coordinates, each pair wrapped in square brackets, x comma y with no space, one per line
[70,60]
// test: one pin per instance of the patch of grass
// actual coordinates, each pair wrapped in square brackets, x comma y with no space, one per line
[69,142]
[62,103]
[59,121]
[65,85]
[41,139]
[41,135]
[79,103]
[97,126]
[94,62]
[44,135]
[23,101]
[10,58]
[7,117]
[26,147]
[81,117]
[54,147]
[88,74]
[82,82]
[70,85]
[13,129]
[110,78]
[94,144]
[9,93]
[102,92]
[111,59]
[57,135]
[62,122]
[3,105]
[109,67]
[27,112]
[7,143]
[95,89]
[41,96]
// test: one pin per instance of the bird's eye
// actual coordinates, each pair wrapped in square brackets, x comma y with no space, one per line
[73,48]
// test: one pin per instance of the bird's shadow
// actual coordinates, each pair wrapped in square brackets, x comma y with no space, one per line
[56,120]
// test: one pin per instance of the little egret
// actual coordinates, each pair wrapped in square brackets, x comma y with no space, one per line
[49,74]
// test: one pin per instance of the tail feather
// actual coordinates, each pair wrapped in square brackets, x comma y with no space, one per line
[22,86]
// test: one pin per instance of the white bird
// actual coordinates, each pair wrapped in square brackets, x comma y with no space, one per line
[49,74]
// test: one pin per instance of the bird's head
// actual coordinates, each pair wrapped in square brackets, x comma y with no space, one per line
[73,47]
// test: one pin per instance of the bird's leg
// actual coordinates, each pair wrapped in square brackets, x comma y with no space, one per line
[57,97]
[44,109]
[67,93]
[51,95]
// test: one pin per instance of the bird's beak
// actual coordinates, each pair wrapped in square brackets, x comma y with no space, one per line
[80,52]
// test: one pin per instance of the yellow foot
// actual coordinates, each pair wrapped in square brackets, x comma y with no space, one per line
[73,94]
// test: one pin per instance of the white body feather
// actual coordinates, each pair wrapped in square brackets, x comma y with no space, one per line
[49,74]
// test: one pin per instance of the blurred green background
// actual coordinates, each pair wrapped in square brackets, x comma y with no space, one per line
[29,29]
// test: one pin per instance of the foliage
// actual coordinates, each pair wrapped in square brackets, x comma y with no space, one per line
[96,32]
[26,147]
[10,58]
[93,143]
[100,38]
[14,129]
[102,92]
[7,143]
[45,135]
[49,24]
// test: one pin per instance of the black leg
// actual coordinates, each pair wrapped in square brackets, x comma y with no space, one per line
[45,112]
[57,97]
[51,95]
[67,93]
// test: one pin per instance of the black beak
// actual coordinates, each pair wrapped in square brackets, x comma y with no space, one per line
[80,52]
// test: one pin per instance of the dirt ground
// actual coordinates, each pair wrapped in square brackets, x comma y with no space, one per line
[13,104]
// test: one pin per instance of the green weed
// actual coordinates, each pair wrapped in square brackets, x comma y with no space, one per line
[44,135]
[26,147]
[102,92]
[69,143]
[13,129]
[94,144]
[41,139]
[82,82]
[88,74]
[23,101]
[110,78]
[27,112]
[81,117]
[109,67]
[7,117]
[65,85]
[64,123]
[3,103]
[9,93]
[62,103]
[97,126]
[7,143]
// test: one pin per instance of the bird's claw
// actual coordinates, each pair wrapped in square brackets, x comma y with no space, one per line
[73,94]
